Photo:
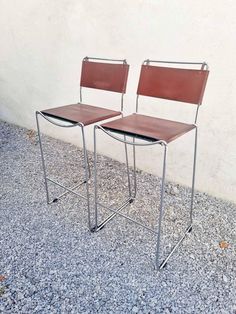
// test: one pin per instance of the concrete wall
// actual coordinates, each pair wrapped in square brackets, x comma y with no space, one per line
[43,43]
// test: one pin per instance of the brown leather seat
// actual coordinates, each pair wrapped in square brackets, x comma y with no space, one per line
[82,113]
[149,127]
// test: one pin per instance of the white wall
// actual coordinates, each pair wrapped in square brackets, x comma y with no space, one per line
[43,43]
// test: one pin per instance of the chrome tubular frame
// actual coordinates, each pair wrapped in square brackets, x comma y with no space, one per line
[193,176]
[105,59]
[203,64]
[98,226]
[86,166]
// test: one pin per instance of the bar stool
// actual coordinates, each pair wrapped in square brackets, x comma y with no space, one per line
[97,73]
[177,81]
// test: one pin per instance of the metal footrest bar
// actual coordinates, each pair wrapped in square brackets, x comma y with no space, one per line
[116,212]
[68,189]
[58,197]
[163,264]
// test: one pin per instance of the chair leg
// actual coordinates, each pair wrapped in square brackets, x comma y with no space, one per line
[127,167]
[89,170]
[193,178]
[43,161]
[161,207]
[87,178]
[131,195]
[134,173]
[95,181]
[87,175]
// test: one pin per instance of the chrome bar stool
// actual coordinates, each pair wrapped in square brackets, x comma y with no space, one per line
[177,81]
[97,73]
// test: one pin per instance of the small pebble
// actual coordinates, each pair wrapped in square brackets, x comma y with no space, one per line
[135,309]
[225,279]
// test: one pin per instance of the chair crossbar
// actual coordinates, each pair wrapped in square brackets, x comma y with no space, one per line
[69,190]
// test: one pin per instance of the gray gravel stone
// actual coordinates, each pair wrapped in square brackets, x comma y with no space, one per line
[53,264]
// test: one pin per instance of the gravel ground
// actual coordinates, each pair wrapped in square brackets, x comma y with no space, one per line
[51,263]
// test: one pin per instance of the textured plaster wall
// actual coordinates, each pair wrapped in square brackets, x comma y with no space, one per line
[43,43]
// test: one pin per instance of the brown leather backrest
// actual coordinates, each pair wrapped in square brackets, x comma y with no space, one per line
[186,85]
[106,76]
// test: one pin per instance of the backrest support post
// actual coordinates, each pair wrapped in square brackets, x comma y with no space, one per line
[137,99]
